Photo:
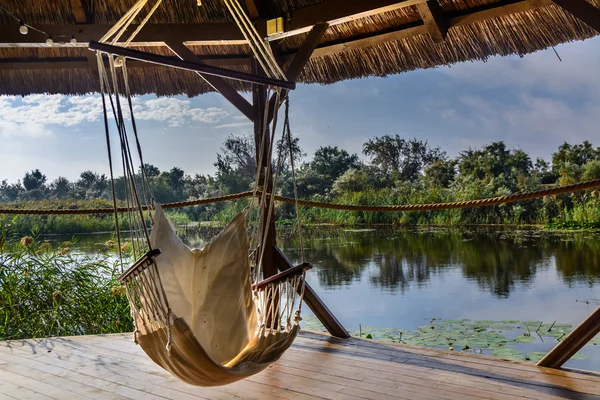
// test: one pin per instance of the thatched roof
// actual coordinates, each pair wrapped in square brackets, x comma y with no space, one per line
[377,44]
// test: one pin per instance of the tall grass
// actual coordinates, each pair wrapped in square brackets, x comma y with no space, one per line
[47,291]
[71,224]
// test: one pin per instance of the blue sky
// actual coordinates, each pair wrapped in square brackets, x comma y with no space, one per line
[534,103]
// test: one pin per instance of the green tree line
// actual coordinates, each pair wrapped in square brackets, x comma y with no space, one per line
[394,170]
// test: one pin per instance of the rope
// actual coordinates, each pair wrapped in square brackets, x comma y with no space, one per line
[332,206]
[286,127]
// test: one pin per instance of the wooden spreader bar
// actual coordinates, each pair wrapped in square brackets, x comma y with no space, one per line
[190,66]
[139,266]
[282,276]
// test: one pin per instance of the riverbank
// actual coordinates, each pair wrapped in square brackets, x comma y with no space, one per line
[577,212]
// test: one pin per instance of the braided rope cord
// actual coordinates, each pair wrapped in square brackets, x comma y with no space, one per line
[493,201]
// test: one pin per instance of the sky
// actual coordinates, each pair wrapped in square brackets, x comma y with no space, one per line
[534,103]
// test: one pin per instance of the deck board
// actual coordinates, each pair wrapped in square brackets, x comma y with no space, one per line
[316,367]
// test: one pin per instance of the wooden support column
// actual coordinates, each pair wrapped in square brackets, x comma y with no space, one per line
[259,100]
[329,321]
[434,20]
[583,10]
[219,84]
[573,342]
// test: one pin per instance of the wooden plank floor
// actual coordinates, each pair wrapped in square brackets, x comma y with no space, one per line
[317,366]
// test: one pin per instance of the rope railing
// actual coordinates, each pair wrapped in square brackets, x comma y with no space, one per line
[493,201]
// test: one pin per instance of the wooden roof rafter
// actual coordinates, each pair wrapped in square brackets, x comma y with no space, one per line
[199,34]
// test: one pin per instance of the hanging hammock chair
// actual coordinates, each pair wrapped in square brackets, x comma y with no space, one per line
[204,315]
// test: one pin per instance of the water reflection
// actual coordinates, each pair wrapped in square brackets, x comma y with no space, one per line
[498,261]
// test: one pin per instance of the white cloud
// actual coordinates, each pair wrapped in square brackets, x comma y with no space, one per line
[37,115]
[175,112]
[234,125]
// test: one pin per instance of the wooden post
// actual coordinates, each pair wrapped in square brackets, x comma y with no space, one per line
[259,100]
[573,342]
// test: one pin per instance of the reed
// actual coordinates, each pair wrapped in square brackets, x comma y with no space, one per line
[50,291]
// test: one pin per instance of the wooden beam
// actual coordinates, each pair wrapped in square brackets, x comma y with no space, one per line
[325,49]
[496,10]
[218,83]
[300,21]
[582,10]
[299,62]
[189,66]
[434,20]
[262,141]
[312,300]
[151,35]
[336,12]
[573,342]
[79,12]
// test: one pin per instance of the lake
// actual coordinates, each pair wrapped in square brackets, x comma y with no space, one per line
[414,280]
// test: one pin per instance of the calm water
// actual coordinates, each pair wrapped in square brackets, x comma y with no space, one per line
[404,278]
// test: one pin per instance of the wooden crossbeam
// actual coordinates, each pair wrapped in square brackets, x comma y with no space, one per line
[324,49]
[218,83]
[312,300]
[582,10]
[190,66]
[434,20]
[300,21]
[299,61]
[151,35]
[336,12]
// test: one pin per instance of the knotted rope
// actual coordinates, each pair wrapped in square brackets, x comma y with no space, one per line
[493,201]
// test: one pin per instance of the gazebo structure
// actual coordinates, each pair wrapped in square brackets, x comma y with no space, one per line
[314,41]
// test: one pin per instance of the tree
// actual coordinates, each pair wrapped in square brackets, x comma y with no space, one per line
[10,191]
[591,171]
[579,155]
[34,180]
[91,185]
[176,178]
[151,170]
[61,187]
[236,164]
[543,172]
[495,164]
[441,173]
[328,164]
[401,159]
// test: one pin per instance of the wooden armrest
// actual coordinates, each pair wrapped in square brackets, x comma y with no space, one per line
[139,266]
[297,270]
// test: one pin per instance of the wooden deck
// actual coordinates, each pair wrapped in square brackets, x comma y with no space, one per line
[317,366]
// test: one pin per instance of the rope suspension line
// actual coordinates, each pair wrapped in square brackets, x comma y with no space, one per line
[493,201]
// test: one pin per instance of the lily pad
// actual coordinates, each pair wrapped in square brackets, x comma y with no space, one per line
[525,339]
[510,354]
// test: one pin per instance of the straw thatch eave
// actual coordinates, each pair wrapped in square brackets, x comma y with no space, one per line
[379,44]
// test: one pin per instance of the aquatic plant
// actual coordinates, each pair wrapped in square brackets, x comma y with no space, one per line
[496,338]
[47,291]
